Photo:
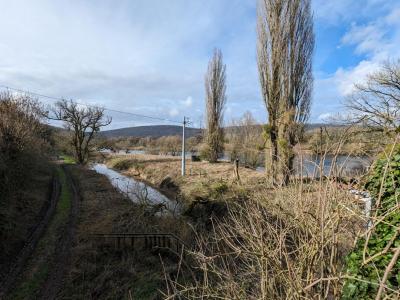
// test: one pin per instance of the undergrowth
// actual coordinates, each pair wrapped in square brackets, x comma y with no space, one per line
[375,263]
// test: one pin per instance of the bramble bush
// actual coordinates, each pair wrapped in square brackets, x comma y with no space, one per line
[374,254]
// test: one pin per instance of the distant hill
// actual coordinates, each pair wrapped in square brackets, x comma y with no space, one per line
[155,131]
[313,126]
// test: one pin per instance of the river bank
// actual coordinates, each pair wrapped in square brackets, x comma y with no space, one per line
[103,273]
[285,221]
[140,192]
[205,181]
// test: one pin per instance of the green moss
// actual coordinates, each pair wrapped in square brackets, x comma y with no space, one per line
[69,160]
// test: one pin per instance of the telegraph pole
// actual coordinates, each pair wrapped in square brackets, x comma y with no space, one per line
[183,147]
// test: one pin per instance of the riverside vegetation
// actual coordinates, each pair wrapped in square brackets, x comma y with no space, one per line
[244,234]
[247,239]
[237,254]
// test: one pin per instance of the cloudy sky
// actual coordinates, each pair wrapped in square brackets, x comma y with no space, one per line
[149,56]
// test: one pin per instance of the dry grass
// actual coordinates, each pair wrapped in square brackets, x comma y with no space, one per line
[273,243]
[286,243]
[278,245]
[201,180]
[98,273]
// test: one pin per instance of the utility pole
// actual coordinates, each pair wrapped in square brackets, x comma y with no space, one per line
[183,147]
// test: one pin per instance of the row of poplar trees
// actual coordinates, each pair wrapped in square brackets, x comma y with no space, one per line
[285,45]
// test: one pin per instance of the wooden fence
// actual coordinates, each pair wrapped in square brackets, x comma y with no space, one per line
[146,241]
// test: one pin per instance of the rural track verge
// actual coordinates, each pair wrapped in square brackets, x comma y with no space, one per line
[62,256]
[31,243]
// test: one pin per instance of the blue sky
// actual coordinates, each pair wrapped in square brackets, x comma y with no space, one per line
[150,56]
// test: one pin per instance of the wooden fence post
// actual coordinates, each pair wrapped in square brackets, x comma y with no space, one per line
[236,170]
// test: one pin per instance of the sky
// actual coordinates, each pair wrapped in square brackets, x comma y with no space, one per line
[149,57]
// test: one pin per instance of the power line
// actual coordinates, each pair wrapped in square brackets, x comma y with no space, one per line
[88,105]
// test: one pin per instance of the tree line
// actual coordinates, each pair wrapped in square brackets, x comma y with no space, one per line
[285,47]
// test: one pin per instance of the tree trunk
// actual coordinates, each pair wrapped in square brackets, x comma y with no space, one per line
[271,157]
[286,142]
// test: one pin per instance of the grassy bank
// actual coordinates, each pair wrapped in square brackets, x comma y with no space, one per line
[28,203]
[107,273]
[265,238]
[204,181]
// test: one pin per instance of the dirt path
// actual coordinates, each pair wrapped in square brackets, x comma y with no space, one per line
[62,256]
[39,273]
[30,246]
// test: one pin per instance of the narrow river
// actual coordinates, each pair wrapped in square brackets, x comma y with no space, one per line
[341,165]
[137,191]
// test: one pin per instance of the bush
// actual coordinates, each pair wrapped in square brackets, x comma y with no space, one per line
[24,141]
[24,171]
[270,245]
[123,164]
[218,189]
[204,152]
[375,254]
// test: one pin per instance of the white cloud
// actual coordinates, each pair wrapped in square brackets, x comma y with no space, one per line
[173,112]
[146,56]
[325,117]
[339,11]
[377,40]
[394,17]
[188,102]
[126,55]
[367,39]
[345,79]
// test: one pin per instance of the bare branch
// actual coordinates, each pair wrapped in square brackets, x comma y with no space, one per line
[376,103]
[84,122]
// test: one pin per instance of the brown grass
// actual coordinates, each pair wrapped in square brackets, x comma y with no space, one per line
[276,245]
[200,181]
[98,273]
[273,243]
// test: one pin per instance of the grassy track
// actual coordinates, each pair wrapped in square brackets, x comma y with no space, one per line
[39,265]
[69,160]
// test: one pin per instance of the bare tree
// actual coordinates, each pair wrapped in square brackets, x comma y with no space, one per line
[215,83]
[284,50]
[84,122]
[376,103]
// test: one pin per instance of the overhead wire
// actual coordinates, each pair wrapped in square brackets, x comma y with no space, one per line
[88,105]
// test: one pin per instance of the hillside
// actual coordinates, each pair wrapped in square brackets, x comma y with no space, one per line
[151,131]
[157,131]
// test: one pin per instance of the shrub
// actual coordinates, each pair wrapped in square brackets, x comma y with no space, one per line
[276,244]
[218,189]
[24,140]
[124,164]
[375,263]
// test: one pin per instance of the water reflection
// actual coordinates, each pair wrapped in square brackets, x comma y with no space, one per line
[342,165]
[137,191]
